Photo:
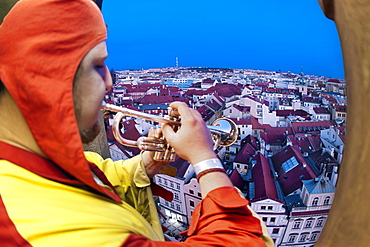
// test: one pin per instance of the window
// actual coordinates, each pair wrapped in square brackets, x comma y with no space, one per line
[290,164]
[176,196]
[272,220]
[264,219]
[314,236]
[315,201]
[165,182]
[199,194]
[327,200]
[303,237]
[159,180]
[192,203]
[178,207]
[263,207]
[172,205]
[292,238]
[191,192]
[308,224]
[269,208]
[320,223]
[275,231]
[178,186]
[171,184]
[297,224]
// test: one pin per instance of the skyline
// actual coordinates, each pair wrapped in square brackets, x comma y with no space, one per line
[286,35]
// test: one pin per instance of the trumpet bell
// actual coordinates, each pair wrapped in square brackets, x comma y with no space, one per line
[224,132]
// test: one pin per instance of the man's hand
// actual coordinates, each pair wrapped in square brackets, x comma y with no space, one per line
[192,141]
[152,166]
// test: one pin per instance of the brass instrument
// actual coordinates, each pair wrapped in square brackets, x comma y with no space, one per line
[223,131]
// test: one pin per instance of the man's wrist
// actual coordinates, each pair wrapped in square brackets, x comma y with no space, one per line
[207,166]
[151,166]
[194,159]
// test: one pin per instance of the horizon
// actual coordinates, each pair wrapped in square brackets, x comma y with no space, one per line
[286,36]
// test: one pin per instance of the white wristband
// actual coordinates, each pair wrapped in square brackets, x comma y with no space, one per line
[206,165]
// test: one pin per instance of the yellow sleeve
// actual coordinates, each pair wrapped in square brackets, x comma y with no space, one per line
[48,213]
[130,180]
[128,177]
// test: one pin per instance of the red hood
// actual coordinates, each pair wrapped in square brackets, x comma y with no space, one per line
[41,45]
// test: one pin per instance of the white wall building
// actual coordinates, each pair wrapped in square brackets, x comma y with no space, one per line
[273,215]
[332,142]
[306,223]
[192,197]
[175,210]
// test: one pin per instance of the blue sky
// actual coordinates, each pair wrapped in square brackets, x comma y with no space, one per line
[267,34]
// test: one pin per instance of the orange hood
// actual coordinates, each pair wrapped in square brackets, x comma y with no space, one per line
[41,45]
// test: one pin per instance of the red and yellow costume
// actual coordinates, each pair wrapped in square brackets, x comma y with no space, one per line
[69,197]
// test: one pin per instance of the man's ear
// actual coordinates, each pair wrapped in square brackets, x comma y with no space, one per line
[328,8]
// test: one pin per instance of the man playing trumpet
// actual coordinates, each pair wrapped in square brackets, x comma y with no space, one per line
[54,79]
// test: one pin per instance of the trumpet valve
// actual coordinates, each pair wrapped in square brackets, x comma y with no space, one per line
[151,144]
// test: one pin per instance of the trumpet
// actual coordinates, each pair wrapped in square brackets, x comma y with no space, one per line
[223,131]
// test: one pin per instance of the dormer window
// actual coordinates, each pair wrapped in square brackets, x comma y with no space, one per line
[289,164]
[327,200]
[315,201]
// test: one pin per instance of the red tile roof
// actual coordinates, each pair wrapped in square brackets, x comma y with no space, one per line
[236,179]
[340,108]
[263,102]
[153,99]
[275,135]
[219,97]
[321,110]
[311,99]
[192,92]
[264,184]
[321,159]
[208,81]
[205,112]
[225,90]
[309,213]
[244,154]
[334,80]
[285,113]
[242,121]
[214,105]
[252,141]
[303,143]
[242,108]
[256,124]
[291,179]
[314,126]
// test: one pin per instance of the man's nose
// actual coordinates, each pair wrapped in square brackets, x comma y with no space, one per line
[108,80]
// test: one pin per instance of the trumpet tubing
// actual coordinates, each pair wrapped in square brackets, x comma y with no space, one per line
[223,131]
